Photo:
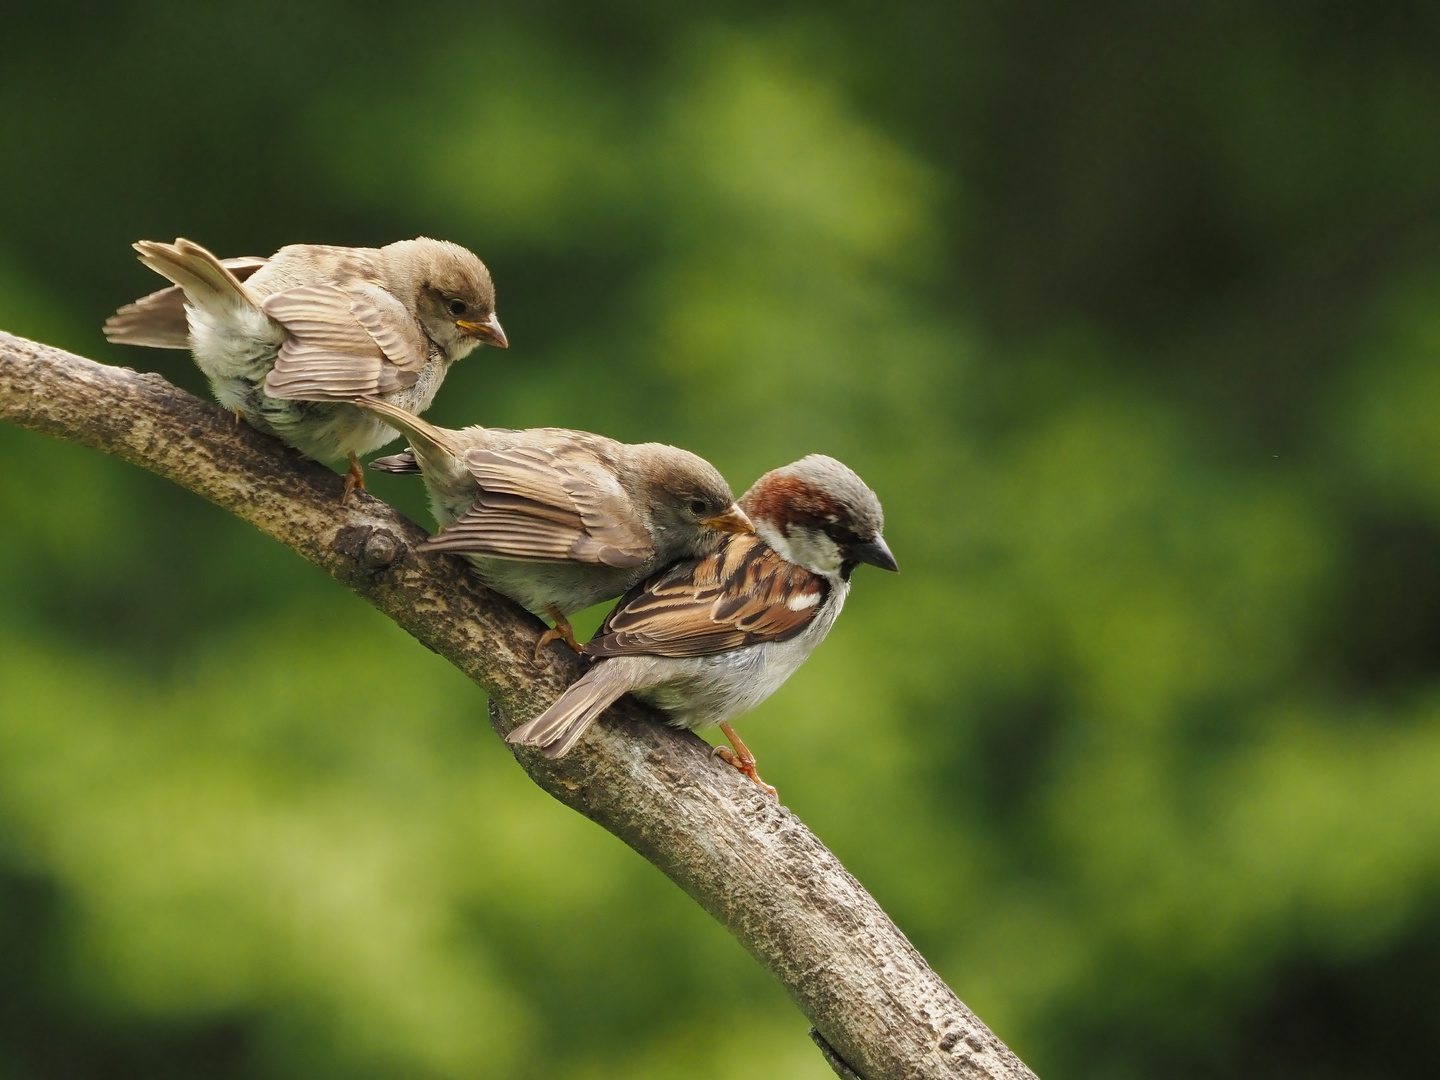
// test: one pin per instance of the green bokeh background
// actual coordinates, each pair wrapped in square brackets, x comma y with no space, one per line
[1129,312]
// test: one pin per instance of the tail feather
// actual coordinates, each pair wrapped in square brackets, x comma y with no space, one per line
[425,437]
[158,320]
[559,727]
[206,281]
[403,463]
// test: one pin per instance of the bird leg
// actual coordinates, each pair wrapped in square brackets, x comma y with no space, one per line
[354,478]
[741,757]
[562,631]
[239,415]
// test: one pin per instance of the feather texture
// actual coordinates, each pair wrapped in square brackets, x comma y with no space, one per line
[204,278]
[542,504]
[742,594]
[342,343]
[559,727]
[403,464]
[158,320]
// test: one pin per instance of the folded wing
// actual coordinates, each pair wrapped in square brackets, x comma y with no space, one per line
[539,504]
[343,342]
[743,594]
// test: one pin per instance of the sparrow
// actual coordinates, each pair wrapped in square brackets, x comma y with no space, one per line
[287,342]
[711,637]
[556,519]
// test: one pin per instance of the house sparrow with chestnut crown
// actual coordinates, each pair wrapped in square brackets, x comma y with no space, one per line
[288,342]
[558,520]
[712,637]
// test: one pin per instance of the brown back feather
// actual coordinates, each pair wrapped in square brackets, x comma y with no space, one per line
[742,594]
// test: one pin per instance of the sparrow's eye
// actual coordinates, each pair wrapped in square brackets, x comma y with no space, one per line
[697,507]
[457,307]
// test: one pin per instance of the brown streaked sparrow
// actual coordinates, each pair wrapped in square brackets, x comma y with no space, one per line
[288,342]
[712,637]
[556,519]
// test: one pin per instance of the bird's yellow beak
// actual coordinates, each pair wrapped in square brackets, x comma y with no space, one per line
[732,520]
[488,331]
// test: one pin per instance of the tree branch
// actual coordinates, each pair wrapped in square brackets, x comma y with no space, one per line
[877,1006]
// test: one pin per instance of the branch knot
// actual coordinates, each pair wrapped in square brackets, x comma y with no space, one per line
[373,547]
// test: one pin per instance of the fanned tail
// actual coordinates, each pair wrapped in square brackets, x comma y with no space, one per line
[559,727]
[207,282]
[158,320]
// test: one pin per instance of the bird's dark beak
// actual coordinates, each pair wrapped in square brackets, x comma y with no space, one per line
[488,331]
[732,520]
[875,552]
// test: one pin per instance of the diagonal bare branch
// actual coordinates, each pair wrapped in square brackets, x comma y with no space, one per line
[878,1007]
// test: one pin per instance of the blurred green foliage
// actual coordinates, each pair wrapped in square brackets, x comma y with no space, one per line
[1128,312]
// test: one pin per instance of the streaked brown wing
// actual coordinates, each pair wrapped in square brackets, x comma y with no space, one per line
[343,342]
[158,320]
[536,503]
[742,594]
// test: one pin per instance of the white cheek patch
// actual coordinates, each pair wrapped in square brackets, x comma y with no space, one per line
[803,601]
[775,539]
[804,547]
[816,550]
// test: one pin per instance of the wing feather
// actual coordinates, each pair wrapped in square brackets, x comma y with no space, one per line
[540,504]
[343,342]
[391,327]
[742,594]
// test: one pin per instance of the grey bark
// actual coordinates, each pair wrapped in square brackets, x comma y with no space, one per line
[879,1009]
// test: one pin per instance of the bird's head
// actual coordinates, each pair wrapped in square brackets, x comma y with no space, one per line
[454,295]
[690,506]
[818,514]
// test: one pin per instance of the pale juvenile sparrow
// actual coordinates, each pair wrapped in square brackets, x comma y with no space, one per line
[288,342]
[712,637]
[556,519]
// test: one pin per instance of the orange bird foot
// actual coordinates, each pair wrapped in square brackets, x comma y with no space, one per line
[562,631]
[741,758]
[354,479]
